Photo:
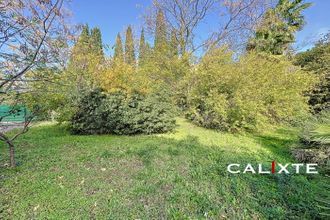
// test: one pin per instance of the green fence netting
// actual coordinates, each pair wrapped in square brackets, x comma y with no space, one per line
[13,113]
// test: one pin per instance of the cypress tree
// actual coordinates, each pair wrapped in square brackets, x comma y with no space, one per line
[174,44]
[96,43]
[161,33]
[129,47]
[119,54]
[84,36]
[79,63]
[81,49]
[149,49]
[142,49]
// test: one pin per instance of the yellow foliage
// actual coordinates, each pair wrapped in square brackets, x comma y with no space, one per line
[257,89]
[122,76]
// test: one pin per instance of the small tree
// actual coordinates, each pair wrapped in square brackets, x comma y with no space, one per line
[25,46]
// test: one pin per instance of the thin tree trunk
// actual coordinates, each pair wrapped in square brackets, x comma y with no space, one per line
[11,147]
[10,141]
[11,154]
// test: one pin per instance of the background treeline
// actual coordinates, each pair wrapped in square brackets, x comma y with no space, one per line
[227,88]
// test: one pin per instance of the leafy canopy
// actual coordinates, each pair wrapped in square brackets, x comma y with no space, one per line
[247,94]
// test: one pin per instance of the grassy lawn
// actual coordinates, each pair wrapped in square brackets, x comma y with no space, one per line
[178,175]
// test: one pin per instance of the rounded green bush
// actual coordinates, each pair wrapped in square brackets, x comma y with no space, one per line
[123,113]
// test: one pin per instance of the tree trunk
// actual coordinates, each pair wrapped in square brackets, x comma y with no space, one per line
[11,154]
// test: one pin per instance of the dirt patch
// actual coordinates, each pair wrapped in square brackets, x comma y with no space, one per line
[5,127]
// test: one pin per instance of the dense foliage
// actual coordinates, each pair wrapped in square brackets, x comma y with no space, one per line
[277,29]
[129,47]
[122,113]
[317,61]
[315,141]
[256,90]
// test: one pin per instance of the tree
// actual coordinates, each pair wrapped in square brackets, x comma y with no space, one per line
[278,27]
[317,61]
[129,47]
[81,63]
[162,67]
[96,43]
[142,48]
[161,42]
[237,24]
[83,71]
[183,16]
[82,46]
[119,53]
[26,46]
[174,44]
[84,37]
[236,21]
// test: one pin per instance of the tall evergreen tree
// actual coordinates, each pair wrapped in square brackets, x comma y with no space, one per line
[80,62]
[278,27]
[149,49]
[84,35]
[119,53]
[142,48]
[129,47]
[161,43]
[80,50]
[174,44]
[96,43]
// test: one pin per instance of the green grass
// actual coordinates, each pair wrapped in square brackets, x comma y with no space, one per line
[179,175]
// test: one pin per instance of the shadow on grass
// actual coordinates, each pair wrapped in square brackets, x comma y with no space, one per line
[279,143]
[206,185]
[147,177]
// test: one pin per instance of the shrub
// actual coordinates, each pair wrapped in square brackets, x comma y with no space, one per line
[255,91]
[315,141]
[88,118]
[122,113]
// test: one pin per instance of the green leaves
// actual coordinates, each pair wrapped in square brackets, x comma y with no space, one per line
[246,95]
[317,61]
[276,31]
[119,53]
[129,47]
[314,144]
[161,42]
[122,113]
